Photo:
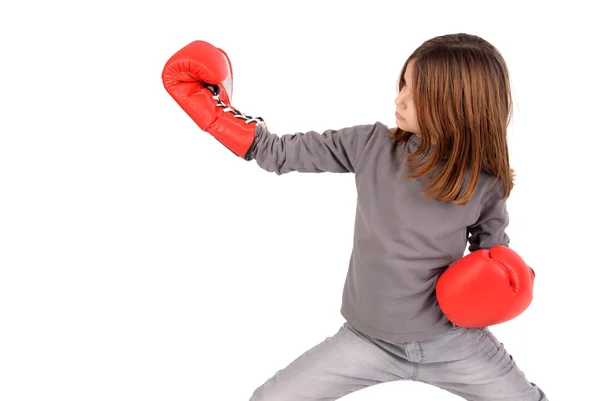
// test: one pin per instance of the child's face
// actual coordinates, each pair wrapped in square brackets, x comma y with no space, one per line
[406,116]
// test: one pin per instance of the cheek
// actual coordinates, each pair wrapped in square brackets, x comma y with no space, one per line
[413,114]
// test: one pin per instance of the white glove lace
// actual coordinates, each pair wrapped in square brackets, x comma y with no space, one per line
[238,114]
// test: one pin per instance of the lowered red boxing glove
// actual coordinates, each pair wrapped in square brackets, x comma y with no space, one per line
[199,77]
[485,288]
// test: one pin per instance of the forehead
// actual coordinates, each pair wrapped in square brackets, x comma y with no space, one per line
[408,73]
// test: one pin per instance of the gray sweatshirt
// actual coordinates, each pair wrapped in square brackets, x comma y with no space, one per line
[402,240]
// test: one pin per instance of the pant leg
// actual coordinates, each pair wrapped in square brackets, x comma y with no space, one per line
[474,365]
[340,365]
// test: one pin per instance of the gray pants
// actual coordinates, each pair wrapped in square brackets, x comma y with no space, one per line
[470,363]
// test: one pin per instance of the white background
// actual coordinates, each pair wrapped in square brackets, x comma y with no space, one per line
[141,260]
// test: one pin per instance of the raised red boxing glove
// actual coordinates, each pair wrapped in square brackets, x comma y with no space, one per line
[199,77]
[485,288]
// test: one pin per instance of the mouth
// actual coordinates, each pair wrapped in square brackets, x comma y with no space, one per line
[399,117]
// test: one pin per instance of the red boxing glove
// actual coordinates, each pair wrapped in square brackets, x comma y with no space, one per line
[199,77]
[485,288]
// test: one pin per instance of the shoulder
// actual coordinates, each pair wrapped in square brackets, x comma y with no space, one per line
[364,135]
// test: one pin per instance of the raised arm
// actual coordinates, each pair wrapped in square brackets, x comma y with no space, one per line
[335,151]
[199,78]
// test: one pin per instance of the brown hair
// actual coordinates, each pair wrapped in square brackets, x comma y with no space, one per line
[463,103]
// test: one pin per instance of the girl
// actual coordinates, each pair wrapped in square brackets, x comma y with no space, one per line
[429,187]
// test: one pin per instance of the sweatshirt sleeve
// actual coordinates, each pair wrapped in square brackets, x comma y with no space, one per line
[335,151]
[489,229]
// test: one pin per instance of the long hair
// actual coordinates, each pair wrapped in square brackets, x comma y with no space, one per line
[463,104]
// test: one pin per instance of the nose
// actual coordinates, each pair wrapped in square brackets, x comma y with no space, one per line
[398,101]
